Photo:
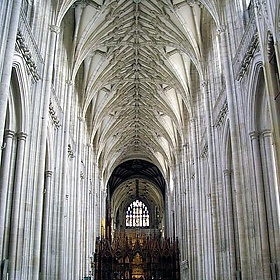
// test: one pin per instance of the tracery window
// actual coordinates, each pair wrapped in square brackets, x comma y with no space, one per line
[137,215]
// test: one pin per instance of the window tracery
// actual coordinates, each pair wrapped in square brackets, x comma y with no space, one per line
[137,215]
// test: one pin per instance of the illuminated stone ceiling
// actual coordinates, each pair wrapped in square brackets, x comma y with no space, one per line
[136,58]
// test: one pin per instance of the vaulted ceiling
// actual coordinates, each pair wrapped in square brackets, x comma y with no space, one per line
[135,61]
[136,169]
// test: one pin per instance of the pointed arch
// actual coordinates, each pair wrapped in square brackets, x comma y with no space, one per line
[137,215]
[252,97]
[20,97]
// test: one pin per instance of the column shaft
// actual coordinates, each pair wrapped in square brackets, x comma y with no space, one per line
[272,195]
[79,190]
[216,223]
[45,256]
[264,261]
[4,188]
[235,158]
[42,153]
[272,89]
[228,209]
[196,204]
[65,174]
[7,65]
[17,219]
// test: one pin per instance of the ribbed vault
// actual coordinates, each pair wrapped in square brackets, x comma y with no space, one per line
[136,169]
[133,63]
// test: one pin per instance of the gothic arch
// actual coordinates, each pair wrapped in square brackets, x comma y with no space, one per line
[226,142]
[20,97]
[258,110]
[12,168]
[231,219]
[254,78]
[262,166]
[49,150]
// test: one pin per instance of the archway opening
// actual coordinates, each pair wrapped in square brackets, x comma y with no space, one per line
[135,245]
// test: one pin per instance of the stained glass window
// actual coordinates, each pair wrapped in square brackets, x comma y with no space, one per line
[137,215]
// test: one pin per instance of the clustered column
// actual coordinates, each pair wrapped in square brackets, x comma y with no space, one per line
[263,261]
[5,185]
[272,198]
[17,220]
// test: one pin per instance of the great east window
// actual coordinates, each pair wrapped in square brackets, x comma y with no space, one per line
[137,215]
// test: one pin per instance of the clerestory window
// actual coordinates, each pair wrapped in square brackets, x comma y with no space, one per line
[137,215]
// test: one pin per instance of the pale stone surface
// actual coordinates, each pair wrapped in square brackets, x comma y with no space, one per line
[191,86]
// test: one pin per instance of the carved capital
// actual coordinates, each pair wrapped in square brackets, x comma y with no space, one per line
[54,28]
[21,136]
[82,3]
[227,172]
[266,133]
[204,83]
[48,173]
[191,3]
[9,133]
[221,29]
[70,83]
[254,135]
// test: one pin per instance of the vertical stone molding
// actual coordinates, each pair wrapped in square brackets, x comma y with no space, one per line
[196,199]
[264,259]
[17,218]
[5,175]
[7,65]
[228,210]
[266,141]
[46,245]
[236,156]
[271,192]
[207,152]
[64,186]
[50,53]
[81,197]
